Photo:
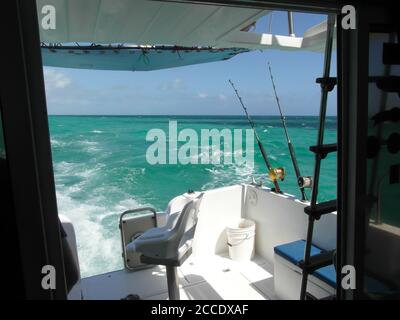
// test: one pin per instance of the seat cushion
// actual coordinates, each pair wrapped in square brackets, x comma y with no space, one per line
[327,274]
[294,252]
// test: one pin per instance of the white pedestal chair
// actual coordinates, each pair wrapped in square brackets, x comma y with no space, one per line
[170,245]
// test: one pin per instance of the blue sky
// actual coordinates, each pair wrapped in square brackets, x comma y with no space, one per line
[199,89]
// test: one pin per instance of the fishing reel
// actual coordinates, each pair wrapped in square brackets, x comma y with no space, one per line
[305,182]
[277,173]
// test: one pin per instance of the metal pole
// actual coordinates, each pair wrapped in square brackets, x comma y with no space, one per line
[324,100]
[320,141]
[270,22]
[173,284]
[307,254]
[291,25]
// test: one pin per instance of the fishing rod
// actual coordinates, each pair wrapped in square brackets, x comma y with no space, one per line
[289,142]
[273,173]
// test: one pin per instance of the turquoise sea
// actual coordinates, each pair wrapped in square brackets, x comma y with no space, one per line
[101,170]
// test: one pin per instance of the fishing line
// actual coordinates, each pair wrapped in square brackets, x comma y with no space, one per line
[289,142]
[274,174]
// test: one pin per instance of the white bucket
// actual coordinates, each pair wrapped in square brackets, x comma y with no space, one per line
[241,240]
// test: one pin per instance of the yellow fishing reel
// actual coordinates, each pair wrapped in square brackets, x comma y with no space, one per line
[277,173]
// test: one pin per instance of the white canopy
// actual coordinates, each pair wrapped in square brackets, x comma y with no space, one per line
[151,22]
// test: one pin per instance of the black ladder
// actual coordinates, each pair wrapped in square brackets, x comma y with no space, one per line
[321,150]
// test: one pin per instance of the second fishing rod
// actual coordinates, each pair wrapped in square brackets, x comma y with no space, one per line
[289,142]
[274,174]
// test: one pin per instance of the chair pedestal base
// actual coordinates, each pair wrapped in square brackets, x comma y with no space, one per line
[173,284]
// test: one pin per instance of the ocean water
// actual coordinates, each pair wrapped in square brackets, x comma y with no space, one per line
[101,170]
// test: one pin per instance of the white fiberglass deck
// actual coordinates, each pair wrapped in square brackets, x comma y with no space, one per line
[219,278]
[209,273]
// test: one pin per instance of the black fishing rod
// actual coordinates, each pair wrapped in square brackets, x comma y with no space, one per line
[289,142]
[272,172]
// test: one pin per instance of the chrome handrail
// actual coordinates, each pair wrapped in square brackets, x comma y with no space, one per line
[141,209]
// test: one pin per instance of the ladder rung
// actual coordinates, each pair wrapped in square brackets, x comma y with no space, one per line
[387,115]
[317,261]
[321,209]
[327,83]
[324,149]
[389,84]
[391,53]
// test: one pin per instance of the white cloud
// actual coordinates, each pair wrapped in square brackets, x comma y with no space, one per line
[177,83]
[173,85]
[55,79]
[202,95]
[222,97]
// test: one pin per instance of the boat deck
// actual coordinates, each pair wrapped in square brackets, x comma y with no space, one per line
[216,278]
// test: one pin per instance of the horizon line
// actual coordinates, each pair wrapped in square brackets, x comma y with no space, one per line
[185,115]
